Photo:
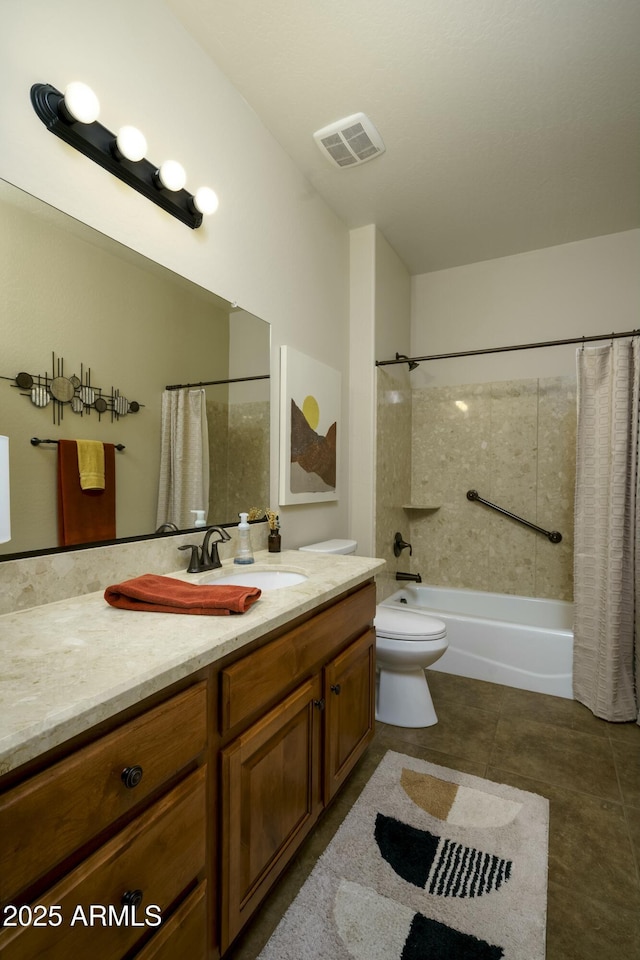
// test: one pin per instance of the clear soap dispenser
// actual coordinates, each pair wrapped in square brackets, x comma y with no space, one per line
[244,553]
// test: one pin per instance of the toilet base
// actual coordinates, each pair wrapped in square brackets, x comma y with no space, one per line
[403,699]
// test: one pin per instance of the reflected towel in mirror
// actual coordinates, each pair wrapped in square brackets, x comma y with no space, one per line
[91,464]
[85,516]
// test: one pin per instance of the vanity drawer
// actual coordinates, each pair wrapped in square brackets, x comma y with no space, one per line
[158,855]
[184,934]
[52,814]
[259,678]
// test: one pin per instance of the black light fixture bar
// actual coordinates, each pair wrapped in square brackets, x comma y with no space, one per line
[98,143]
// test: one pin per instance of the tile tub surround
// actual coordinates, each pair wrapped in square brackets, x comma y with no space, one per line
[70,664]
[514,442]
[393,470]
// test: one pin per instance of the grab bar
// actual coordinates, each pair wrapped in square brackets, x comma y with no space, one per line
[553,535]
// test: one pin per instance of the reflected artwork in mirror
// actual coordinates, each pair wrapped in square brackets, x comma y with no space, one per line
[68,289]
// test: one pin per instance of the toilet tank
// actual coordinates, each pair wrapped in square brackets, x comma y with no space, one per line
[332,546]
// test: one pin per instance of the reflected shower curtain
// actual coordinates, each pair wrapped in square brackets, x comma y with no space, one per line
[184,458]
[606,667]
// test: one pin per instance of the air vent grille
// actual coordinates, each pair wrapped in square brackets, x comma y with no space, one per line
[351,141]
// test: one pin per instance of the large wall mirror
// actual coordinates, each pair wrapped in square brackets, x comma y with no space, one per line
[77,304]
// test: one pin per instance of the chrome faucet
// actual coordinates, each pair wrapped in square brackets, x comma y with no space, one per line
[206,557]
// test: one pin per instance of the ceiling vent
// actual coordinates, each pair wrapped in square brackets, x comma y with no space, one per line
[350,142]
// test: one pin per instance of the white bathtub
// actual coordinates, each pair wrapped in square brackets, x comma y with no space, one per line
[522,642]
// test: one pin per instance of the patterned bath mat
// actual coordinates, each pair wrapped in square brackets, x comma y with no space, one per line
[430,864]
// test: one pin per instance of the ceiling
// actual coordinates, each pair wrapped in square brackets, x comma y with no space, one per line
[509,125]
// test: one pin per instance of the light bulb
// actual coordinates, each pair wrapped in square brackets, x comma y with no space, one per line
[205,200]
[172,175]
[131,143]
[81,102]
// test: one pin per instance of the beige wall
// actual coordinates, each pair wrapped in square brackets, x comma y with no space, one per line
[577,289]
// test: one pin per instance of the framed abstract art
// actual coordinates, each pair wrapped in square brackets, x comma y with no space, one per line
[309,428]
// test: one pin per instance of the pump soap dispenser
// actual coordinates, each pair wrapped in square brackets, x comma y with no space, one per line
[244,552]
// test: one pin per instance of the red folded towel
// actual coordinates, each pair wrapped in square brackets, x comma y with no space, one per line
[168,595]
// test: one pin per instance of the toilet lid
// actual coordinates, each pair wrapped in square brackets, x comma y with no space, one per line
[407,625]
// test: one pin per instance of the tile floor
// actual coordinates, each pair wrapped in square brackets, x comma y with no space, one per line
[589,770]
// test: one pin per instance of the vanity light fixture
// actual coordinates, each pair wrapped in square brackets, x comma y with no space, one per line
[73,116]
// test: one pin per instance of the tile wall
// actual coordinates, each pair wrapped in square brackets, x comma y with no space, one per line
[393,469]
[513,442]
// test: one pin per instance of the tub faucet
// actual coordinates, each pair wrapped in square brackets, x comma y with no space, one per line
[399,545]
[408,576]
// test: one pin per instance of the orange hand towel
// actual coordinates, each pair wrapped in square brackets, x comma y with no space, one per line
[168,595]
[85,516]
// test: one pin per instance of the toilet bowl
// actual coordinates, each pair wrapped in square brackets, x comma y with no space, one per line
[406,643]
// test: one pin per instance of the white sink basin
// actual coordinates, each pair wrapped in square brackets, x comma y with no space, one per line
[264,579]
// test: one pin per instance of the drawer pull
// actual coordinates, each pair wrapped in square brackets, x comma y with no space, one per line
[131,777]
[319,704]
[335,688]
[131,898]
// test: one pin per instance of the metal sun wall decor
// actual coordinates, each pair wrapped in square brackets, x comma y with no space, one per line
[76,392]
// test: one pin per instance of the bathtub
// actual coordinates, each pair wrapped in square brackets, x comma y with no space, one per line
[522,642]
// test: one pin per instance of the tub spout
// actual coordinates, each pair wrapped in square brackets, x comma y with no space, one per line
[400,575]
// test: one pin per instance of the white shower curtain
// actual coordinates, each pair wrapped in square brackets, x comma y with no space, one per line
[606,669]
[184,458]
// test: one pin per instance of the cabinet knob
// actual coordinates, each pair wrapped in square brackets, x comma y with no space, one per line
[319,704]
[335,688]
[131,777]
[131,898]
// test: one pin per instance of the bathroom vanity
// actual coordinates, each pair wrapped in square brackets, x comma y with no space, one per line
[171,773]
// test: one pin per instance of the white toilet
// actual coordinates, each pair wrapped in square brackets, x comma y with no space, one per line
[406,643]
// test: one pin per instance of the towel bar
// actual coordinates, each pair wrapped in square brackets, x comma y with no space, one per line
[35,441]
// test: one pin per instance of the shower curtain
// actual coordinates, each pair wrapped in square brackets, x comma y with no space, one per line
[606,669]
[184,458]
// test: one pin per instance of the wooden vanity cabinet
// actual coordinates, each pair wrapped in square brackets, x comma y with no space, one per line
[120,822]
[278,771]
[195,800]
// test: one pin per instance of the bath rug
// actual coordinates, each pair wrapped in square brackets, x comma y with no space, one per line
[429,864]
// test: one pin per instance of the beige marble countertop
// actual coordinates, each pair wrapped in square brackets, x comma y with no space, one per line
[70,664]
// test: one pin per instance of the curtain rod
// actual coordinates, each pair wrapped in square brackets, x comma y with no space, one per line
[215,383]
[521,346]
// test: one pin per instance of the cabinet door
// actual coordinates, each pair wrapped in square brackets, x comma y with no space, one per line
[271,797]
[350,700]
